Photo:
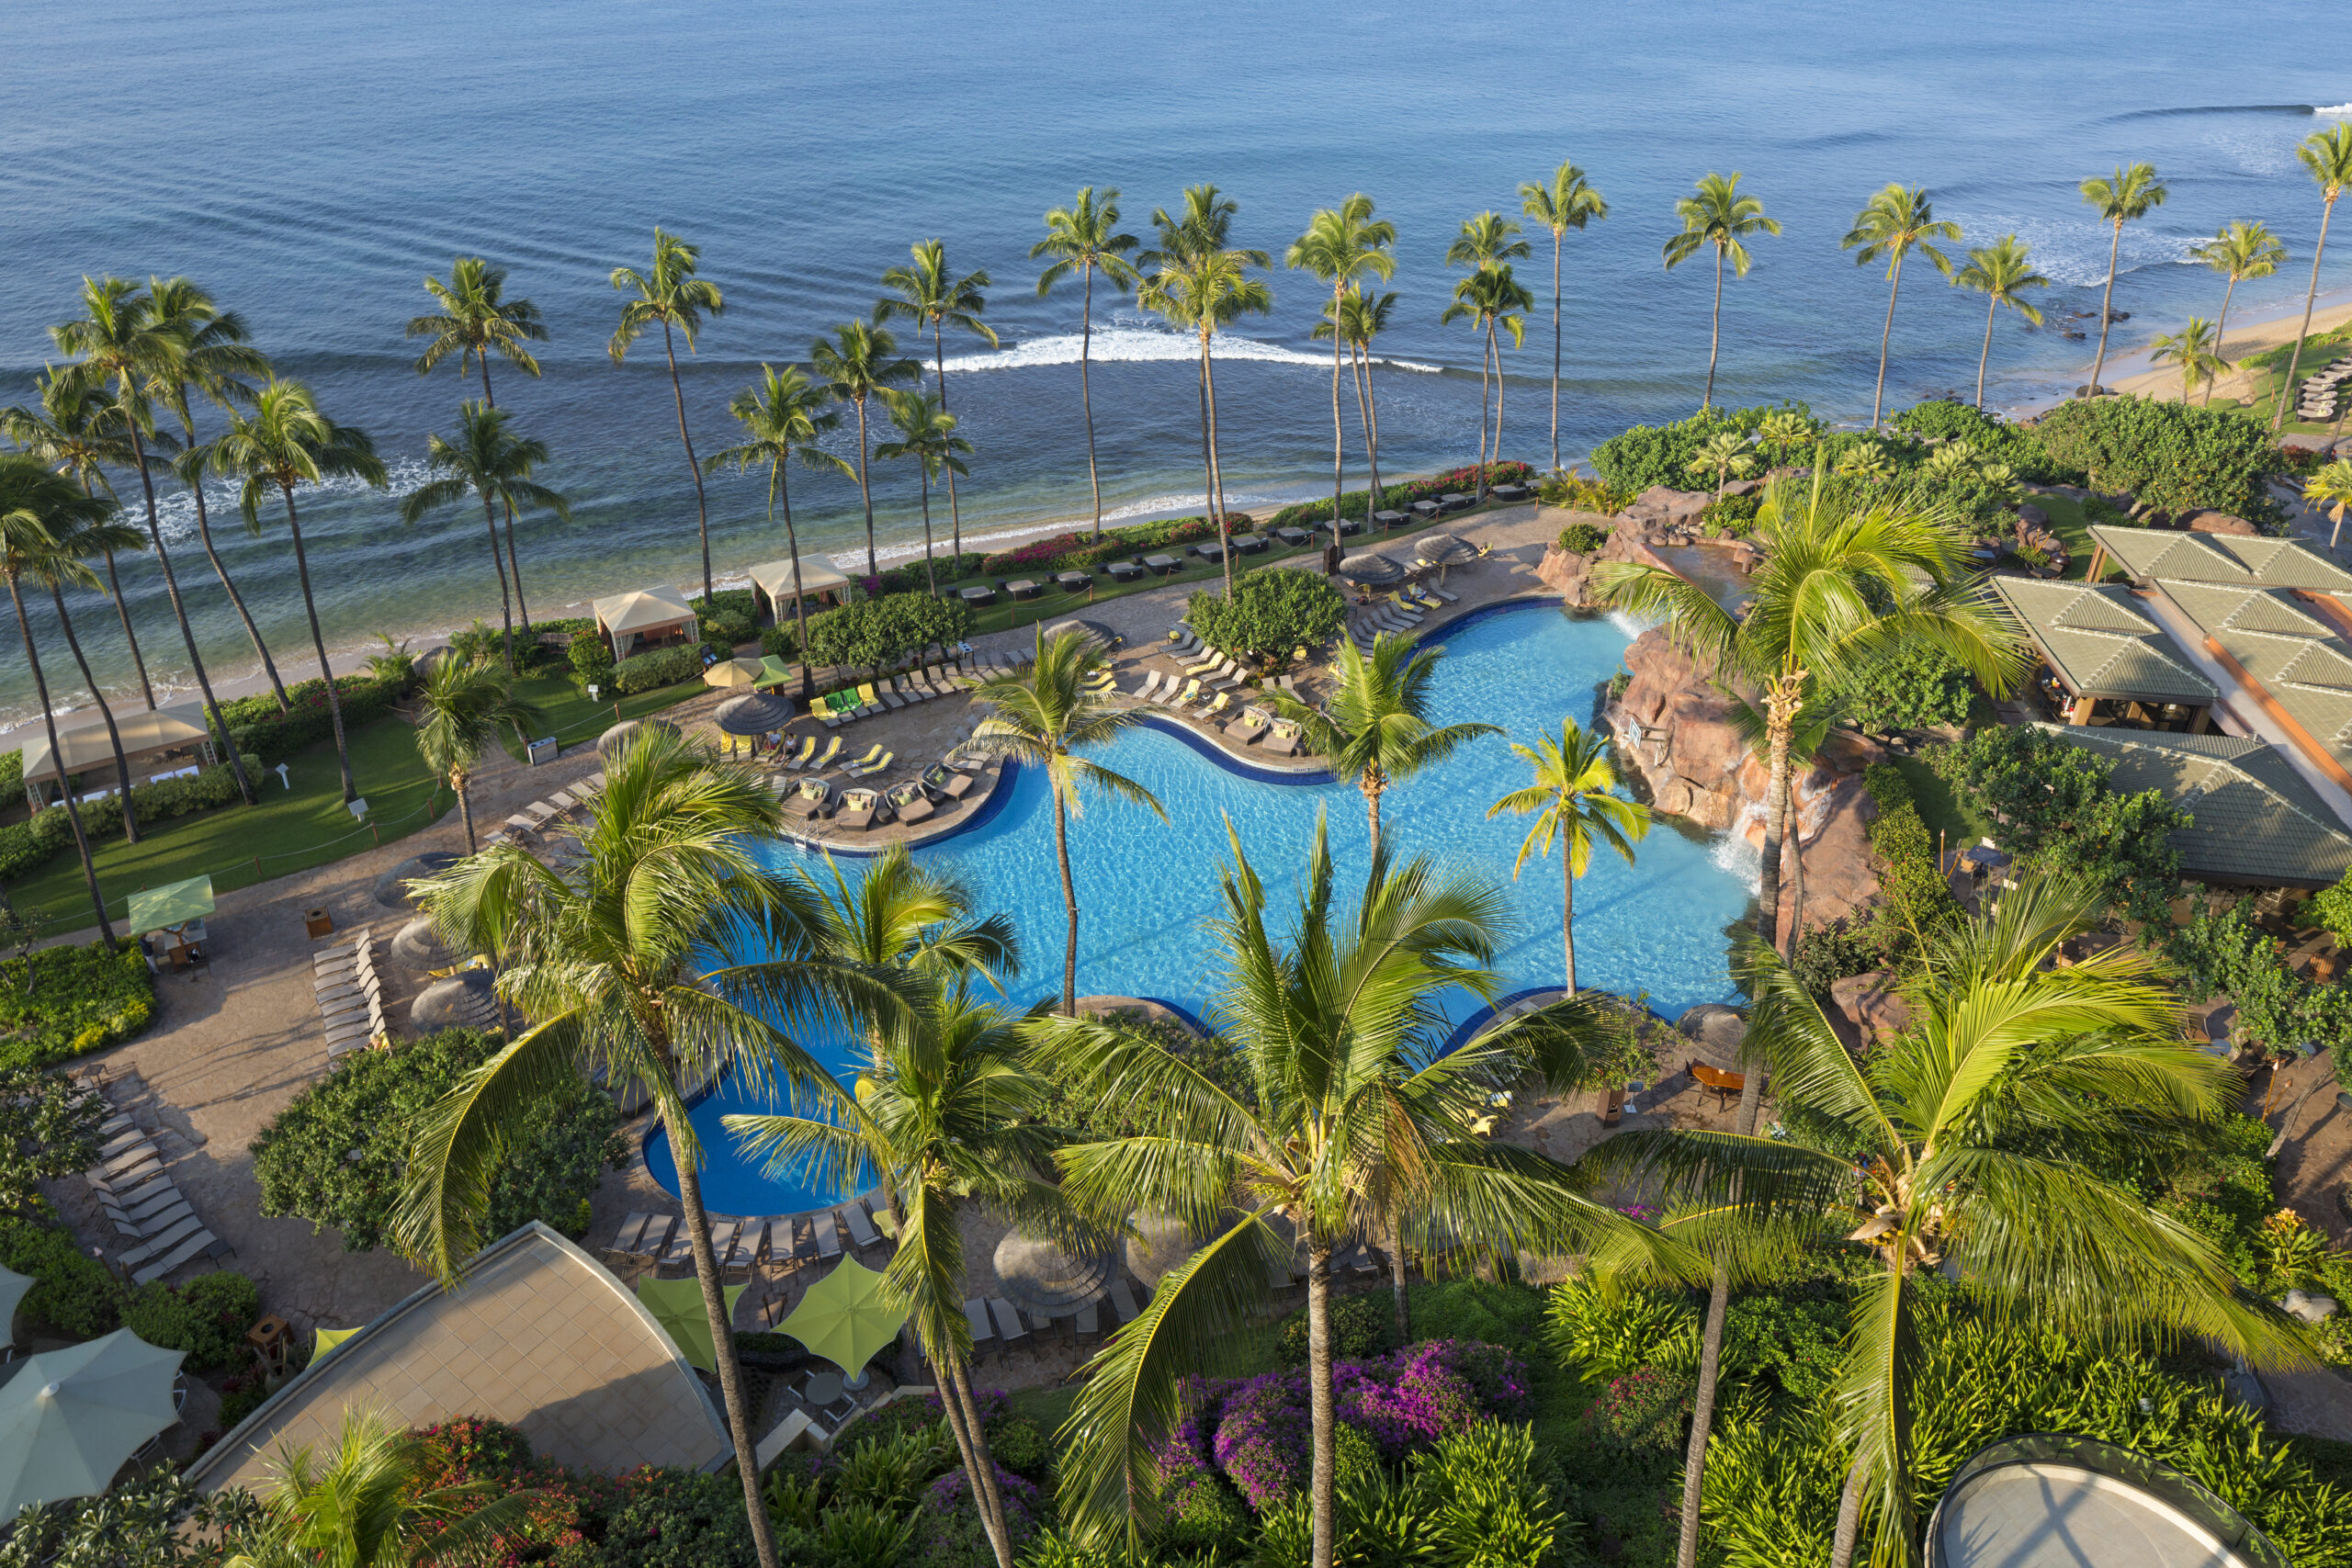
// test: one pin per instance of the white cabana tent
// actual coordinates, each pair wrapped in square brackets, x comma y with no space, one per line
[649,616]
[146,736]
[772,582]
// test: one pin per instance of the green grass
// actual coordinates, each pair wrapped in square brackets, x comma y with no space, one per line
[2066,521]
[568,715]
[1943,811]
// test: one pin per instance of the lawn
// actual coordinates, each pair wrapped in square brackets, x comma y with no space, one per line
[566,714]
[1943,811]
[2066,521]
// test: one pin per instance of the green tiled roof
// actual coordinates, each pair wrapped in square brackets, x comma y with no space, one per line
[2256,820]
[2299,659]
[2100,644]
[2146,553]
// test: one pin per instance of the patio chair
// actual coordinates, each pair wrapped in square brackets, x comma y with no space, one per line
[829,1234]
[1143,694]
[1009,1326]
[624,1240]
[860,1228]
[975,1313]
[1122,1301]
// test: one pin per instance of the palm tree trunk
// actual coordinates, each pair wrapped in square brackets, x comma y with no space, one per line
[1339,428]
[1216,469]
[2311,297]
[514,562]
[1850,1514]
[179,613]
[1556,350]
[1568,920]
[722,1338]
[122,607]
[2221,334]
[1886,337]
[974,1460]
[1356,358]
[319,644]
[1372,783]
[464,804]
[113,736]
[865,490]
[1069,905]
[1714,335]
[930,578]
[505,611]
[56,761]
[204,531]
[1371,437]
[955,511]
[1322,1489]
[1796,871]
[1396,1283]
[1085,398]
[514,565]
[1711,1354]
[1208,470]
[988,1497]
[1501,387]
[1782,697]
[2106,301]
[702,509]
[1984,356]
[1486,393]
[800,603]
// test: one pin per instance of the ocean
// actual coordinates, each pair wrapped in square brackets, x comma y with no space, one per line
[311,164]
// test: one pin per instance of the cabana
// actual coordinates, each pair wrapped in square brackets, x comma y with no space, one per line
[772,585]
[167,733]
[2107,662]
[652,617]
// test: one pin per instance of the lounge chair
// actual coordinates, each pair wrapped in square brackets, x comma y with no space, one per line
[866,770]
[824,760]
[1202,660]
[1192,694]
[910,802]
[1226,676]
[945,780]
[1009,1325]
[976,1314]
[811,799]
[1252,722]
[1122,1301]
[827,1223]
[861,1229]
[858,809]
[1282,738]
[1209,711]
[800,759]
[1144,694]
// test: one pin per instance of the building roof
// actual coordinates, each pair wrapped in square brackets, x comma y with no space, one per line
[2299,659]
[2256,820]
[646,610]
[774,578]
[2100,644]
[2150,553]
[83,739]
[537,1335]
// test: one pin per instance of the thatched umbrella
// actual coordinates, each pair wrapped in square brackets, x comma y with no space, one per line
[464,1001]
[757,714]
[1439,550]
[1043,1278]
[1158,1245]
[392,888]
[1370,567]
[418,944]
[615,740]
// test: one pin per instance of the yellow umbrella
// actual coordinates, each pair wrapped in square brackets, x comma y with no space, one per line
[842,1318]
[325,1339]
[676,1305]
[732,673]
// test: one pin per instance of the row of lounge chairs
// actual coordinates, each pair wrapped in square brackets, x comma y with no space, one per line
[531,825]
[998,1325]
[142,1204]
[742,1245]
[890,694]
[2317,400]
[350,995]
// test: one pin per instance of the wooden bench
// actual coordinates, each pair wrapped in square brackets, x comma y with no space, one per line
[1717,1082]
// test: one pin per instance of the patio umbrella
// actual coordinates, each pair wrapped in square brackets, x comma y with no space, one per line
[174,903]
[1440,550]
[753,714]
[392,888]
[325,1339]
[463,1000]
[71,1418]
[418,944]
[1370,567]
[1158,1245]
[13,1287]
[732,673]
[842,1318]
[615,741]
[1048,1280]
[677,1307]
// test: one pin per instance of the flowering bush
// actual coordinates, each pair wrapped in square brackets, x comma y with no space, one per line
[949,1533]
[1396,498]
[1641,1412]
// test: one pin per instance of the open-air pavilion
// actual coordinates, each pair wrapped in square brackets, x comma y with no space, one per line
[2105,661]
[2290,653]
[651,617]
[772,585]
[154,742]
[2146,555]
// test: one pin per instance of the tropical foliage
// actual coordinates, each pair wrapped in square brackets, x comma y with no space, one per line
[1272,613]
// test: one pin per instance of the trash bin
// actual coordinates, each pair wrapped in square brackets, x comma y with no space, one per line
[542,751]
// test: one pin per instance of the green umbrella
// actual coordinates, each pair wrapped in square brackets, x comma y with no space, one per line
[174,903]
[70,1419]
[676,1305]
[13,1287]
[842,1319]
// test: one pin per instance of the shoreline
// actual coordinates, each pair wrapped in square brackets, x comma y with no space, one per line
[2130,373]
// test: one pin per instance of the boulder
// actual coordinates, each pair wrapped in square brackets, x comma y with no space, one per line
[1743,487]
[2028,513]
[2309,1305]
[1563,571]
[2221,523]
[1870,1004]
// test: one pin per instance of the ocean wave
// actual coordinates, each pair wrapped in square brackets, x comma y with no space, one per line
[175,504]
[2179,111]
[2072,253]
[2335,111]
[1143,345]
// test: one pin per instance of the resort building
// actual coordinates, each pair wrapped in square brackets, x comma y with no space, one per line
[2103,661]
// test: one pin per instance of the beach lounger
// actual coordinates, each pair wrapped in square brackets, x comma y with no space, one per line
[624,1240]
[1228,676]
[1210,710]
[1089,1321]
[975,1313]
[861,1229]
[162,1242]
[203,1241]
[943,778]
[1283,740]
[800,757]
[829,1234]
[1122,1301]
[116,1163]
[682,1246]
[858,809]
[1149,692]
[1249,726]
[539,812]
[1009,1326]
[803,1238]
[866,770]
[722,1237]
[825,759]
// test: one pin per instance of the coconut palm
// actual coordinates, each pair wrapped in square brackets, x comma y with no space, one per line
[1358,1119]
[2191,349]
[1200,284]
[782,416]
[926,433]
[672,295]
[930,298]
[859,362]
[1968,1118]
[1375,732]
[1784,429]
[1718,218]
[613,963]
[2330,489]
[42,514]
[493,464]
[285,443]
[462,706]
[1723,454]
[218,364]
[2001,271]
[2240,251]
[1084,237]
[1564,202]
[125,340]
[1491,298]
[1342,245]
[1044,719]
[98,539]
[1361,318]
[2130,194]
[1891,224]
[2327,157]
[1576,805]
[1484,244]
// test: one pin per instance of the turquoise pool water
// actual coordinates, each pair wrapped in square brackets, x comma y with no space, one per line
[1145,889]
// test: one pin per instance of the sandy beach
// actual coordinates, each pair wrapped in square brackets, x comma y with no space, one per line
[2138,377]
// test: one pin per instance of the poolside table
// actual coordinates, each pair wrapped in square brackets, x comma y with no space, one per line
[822,1387]
[978,595]
[1161,564]
[1509,492]
[1453,501]
[1249,544]
[1293,538]
[1350,526]
[1073,581]
[1124,570]
[1021,588]
[1213,554]
[1426,509]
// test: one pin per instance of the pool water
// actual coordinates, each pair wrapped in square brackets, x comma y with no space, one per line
[1146,889]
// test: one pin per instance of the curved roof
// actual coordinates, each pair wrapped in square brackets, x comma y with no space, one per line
[644,610]
[2100,644]
[774,578]
[84,744]
[537,1335]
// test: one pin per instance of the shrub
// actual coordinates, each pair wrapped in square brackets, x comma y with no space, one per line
[1633,460]
[590,656]
[652,671]
[783,640]
[1271,612]
[1582,538]
[2178,456]
[1607,1334]
[1919,902]
[1581,494]
[677,1518]
[1917,687]
[57,1002]
[1730,515]
[2331,908]
[73,1292]
[948,1532]
[260,730]
[1360,1326]
[1641,1414]
[1019,1444]
[1794,1344]
[1488,1499]
[207,1318]
[1993,438]
[26,846]
[874,633]
[2227,954]
[728,618]
[1396,498]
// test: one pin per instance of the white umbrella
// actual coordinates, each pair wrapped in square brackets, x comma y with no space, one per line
[13,1287]
[73,1416]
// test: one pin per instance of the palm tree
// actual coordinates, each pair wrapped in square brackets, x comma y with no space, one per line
[1896,221]
[1201,284]
[462,708]
[2192,349]
[1723,454]
[1491,297]
[1376,730]
[2131,195]
[41,515]
[1341,246]
[1575,795]
[2001,272]
[491,462]
[217,364]
[476,319]
[2240,250]
[2327,156]
[1044,719]
[1361,318]
[858,363]
[99,539]
[2330,489]
[613,963]
[1359,1120]
[363,1506]
[1568,201]
[782,416]
[927,433]
[1485,242]
[1969,1119]
[126,339]
[283,443]
[1085,237]
[78,431]
[930,298]
[1720,218]
[672,295]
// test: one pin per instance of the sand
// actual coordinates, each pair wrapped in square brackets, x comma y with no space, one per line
[2249,338]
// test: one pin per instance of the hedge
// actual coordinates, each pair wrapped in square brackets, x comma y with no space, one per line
[60,1002]
[652,671]
[731,618]
[260,730]
[909,578]
[1076,552]
[1271,612]
[875,632]
[73,1292]
[26,846]
[2181,457]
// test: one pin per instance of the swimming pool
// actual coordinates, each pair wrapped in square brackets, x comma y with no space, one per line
[1145,889]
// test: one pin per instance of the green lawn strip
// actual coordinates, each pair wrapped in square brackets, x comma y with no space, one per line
[1943,811]
[2072,529]
[290,830]
[568,715]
